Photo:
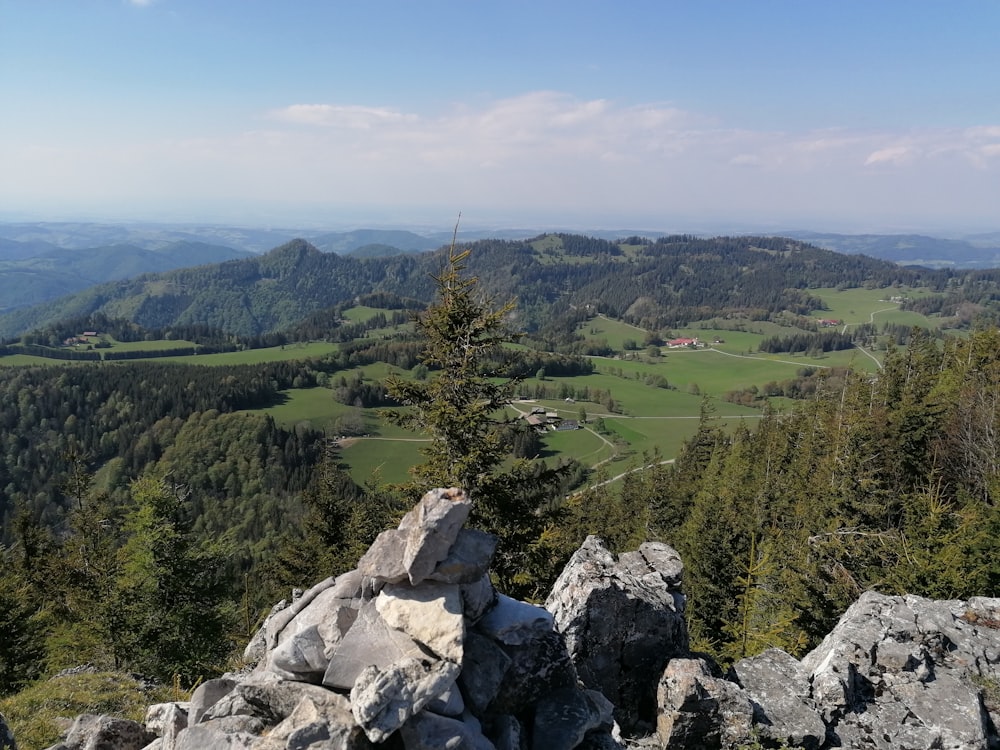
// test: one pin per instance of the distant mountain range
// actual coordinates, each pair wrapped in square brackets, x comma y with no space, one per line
[975,251]
[41,261]
[654,285]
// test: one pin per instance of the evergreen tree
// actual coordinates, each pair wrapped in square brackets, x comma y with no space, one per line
[461,409]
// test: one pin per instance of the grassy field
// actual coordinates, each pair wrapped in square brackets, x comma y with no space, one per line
[247,357]
[856,306]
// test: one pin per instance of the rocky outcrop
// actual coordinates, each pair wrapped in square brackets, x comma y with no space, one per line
[905,672]
[623,620]
[413,650]
[896,673]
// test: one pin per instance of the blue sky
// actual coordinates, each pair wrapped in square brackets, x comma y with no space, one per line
[681,116]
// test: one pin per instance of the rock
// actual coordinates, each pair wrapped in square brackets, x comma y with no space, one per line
[93,732]
[324,724]
[537,667]
[271,701]
[483,671]
[206,695]
[429,731]
[6,736]
[477,598]
[383,561]
[564,717]
[207,738]
[468,559]
[698,710]
[514,623]
[302,655]
[370,641]
[431,528]
[383,700]
[430,614]
[778,686]
[166,720]
[908,672]
[622,620]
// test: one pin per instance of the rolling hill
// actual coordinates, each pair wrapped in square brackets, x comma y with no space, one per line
[670,282]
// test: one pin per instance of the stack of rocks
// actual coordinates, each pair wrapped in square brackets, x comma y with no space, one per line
[414,649]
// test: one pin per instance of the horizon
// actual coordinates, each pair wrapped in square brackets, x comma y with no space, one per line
[849,118]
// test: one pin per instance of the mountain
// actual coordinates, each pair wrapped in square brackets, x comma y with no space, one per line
[59,271]
[82,235]
[348,243]
[982,251]
[667,283]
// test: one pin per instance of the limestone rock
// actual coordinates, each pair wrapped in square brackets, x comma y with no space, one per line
[370,641]
[697,710]
[483,671]
[323,724]
[778,686]
[384,559]
[166,720]
[429,731]
[513,622]
[622,620]
[207,738]
[303,654]
[564,717]
[537,667]
[383,700]
[907,672]
[271,701]
[206,695]
[91,731]
[430,614]
[478,598]
[468,558]
[431,528]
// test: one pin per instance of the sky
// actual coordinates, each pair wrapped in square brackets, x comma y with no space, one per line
[846,115]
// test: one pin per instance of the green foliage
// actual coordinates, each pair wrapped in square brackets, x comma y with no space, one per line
[21,633]
[457,407]
[887,482]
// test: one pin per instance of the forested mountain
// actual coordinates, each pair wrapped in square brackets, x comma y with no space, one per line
[55,272]
[669,282]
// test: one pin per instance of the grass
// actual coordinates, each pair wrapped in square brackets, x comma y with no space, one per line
[40,714]
[855,306]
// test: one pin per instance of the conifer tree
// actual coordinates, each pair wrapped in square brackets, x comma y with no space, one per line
[461,409]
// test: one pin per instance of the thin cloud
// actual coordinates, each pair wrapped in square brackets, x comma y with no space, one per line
[345,116]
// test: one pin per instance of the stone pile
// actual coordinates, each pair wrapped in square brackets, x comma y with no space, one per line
[414,649]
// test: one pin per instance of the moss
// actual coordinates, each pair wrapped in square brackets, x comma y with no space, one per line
[40,714]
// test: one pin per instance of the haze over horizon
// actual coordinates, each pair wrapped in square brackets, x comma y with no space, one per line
[848,116]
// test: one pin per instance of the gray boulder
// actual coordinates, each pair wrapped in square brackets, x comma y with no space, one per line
[623,620]
[6,736]
[778,687]
[908,672]
[698,710]
[94,732]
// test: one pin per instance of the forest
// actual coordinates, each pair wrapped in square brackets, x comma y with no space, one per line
[148,521]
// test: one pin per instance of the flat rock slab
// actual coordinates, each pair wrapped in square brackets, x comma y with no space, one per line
[369,642]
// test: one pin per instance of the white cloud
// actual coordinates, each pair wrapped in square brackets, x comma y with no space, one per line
[890,155]
[344,116]
[542,152]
